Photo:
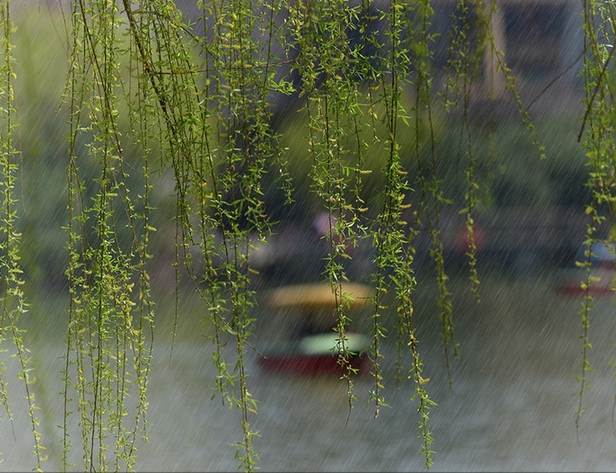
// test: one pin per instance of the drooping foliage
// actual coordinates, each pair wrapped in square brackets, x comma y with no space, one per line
[193,94]
[597,135]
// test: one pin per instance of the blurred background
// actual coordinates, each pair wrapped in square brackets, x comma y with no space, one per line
[512,405]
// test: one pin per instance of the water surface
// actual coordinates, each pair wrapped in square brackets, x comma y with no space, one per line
[511,406]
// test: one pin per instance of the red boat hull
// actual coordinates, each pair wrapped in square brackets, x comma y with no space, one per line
[311,364]
[574,289]
[603,282]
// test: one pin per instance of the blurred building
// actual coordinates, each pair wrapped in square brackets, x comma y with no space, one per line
[541,41]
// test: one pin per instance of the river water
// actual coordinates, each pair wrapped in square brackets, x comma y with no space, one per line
[511,406]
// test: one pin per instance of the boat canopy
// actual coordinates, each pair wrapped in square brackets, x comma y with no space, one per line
[319,296]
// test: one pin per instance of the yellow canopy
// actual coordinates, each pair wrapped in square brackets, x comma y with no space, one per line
[318,296]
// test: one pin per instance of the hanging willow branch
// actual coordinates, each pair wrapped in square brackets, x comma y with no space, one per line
[14,304]
[110,311]
[209,94]
[150,92]
[600,145]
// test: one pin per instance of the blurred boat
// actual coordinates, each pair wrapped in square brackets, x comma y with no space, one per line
[572,282]
[602,271]
[313,348]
